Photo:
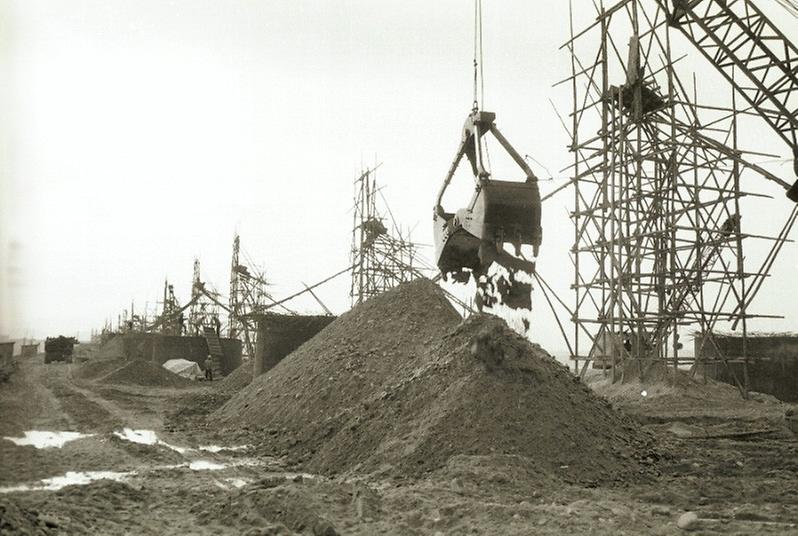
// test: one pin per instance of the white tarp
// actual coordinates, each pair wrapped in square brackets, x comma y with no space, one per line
[184,367]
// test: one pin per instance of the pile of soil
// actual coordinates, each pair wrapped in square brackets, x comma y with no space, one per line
[274,504]
[667,396]
[238,379]
[146,373]
[97,368]
[188,411]
[102,507]
[19,520]
[400,385]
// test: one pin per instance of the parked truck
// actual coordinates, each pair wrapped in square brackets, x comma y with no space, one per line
[59,349]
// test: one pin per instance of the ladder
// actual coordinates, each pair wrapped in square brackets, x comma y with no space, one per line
[214,348]
[735,36]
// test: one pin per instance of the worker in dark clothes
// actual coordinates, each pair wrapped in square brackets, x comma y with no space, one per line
[209,368]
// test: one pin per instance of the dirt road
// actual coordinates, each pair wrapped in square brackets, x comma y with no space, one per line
[189,481]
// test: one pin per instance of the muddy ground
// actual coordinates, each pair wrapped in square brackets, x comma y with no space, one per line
[739,476]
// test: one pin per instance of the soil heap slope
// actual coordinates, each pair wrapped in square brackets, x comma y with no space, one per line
[97,368]
[238,379]
[356,356]
[399,384]
[145,373]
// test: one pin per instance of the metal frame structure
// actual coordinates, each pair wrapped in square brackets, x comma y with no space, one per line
[204,310]
[736,37]
[658,241]
[247,297]
[171,320]
[381,258]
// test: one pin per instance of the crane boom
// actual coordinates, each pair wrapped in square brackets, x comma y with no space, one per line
[735,36]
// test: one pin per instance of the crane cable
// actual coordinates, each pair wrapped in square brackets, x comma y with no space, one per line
[479,80]
[479,77]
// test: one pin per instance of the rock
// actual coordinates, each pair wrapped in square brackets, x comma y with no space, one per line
[688,521]
[49,520]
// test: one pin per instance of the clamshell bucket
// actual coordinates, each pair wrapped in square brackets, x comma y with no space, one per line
[501,211]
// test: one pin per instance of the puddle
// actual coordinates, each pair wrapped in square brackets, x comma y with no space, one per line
[147,437]
[44,440]
[71,478]
[232,483]
[217,448]
[205,465]
[208,465]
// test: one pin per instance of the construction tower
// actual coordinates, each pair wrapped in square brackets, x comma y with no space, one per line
[381,258]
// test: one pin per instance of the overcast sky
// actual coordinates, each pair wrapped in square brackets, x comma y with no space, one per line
[139,135]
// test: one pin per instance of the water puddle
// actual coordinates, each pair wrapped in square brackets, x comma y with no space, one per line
[71,478]
[232,483]
[205,465]
[209,465]
[147,437]
[217,448]
[45,439]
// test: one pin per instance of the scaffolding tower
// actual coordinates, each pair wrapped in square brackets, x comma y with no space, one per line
[381,258]
[658,244]
[171,320]
[247,297]
[204,310]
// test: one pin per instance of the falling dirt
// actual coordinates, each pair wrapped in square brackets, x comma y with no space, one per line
[500,289]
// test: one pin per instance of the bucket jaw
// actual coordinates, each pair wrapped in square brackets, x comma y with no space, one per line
[469,241]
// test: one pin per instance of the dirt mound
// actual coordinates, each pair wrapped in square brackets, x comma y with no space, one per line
[146,373]
[188,410]
[275,505]
[19,520]
[669,396]
[102,507]
[398,384]
[96,368]
[238,379]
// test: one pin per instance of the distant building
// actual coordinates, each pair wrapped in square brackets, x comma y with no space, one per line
[772,362]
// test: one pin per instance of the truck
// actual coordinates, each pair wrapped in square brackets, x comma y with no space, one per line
[59,349]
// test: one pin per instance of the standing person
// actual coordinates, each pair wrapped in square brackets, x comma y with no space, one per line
[209,368]
[218,325]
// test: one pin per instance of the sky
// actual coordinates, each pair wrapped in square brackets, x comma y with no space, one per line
[137,136]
